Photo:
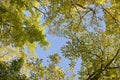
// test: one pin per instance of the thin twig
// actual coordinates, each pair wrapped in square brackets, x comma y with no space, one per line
[113,68]
[111,15]
[108,64]
[72,1]
[83,6]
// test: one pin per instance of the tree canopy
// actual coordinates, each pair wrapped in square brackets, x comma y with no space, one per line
[20,24]
[11,70]
[92,28]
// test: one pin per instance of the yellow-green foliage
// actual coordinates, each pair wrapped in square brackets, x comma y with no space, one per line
[16,27]
[92,27]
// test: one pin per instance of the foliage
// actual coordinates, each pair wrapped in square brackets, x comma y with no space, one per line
[19,23]
[92,27]
[78,14]
[11,70]
[33,69]
[50,72]
[99,55]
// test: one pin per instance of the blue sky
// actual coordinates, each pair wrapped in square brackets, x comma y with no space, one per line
[56,44]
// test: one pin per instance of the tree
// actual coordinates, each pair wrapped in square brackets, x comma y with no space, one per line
[33,69]
[11,70]
[19,26]
[92,28]
[19,23]
[76,14]
[99,54]
[50,72]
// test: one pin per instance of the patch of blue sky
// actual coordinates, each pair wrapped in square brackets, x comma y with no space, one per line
[56,44]
[27,14]
[95,20]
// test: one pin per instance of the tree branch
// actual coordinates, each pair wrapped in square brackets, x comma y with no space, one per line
[83,6]
[80,17]
[113,67]
[108,64]
[96,75]
[110,15]
[39,10]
